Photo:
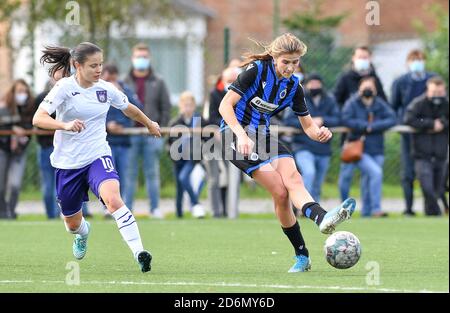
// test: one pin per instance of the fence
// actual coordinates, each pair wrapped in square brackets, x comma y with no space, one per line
[31,182]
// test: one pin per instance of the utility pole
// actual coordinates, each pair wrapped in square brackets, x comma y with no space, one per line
[276,18]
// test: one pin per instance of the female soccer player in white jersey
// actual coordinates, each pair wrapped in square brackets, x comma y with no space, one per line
[81,155]
[265,88]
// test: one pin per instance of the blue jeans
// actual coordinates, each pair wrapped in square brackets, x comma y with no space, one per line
[371,168]
[313,168]
[149,149]
[183,170]
[48,184]
[120,158]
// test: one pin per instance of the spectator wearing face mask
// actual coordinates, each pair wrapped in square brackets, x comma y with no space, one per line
[428,114]
[366,114]
[16,113]
[404,90]
[312,157]
[152,93]
[348,82]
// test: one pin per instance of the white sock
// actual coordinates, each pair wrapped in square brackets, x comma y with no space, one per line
[83,230]
[128,229]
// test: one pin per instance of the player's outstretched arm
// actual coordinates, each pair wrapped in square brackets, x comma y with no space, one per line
[137,115]
[43,120]
[321,134]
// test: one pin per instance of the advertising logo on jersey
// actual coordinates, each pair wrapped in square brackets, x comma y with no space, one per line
[263,106]
[102,96]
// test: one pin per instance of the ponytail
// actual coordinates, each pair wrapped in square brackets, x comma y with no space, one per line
[59,57]
[62,57]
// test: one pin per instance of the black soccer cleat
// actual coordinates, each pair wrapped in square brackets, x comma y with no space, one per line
[144,259]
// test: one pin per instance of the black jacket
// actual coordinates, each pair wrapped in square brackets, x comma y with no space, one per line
[348,83]
[421,114]
[215,98]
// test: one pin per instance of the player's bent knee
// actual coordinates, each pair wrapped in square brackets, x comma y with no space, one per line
[113,202]
[280,194]
[293,181]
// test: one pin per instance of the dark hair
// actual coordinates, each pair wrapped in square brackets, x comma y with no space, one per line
[313,76]
[362,47]
[110,68]
[367,78]
[436,80]
[61,57]
[416,54]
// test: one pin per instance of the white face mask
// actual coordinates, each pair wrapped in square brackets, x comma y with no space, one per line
[21,98]
[300,76]
[362,65]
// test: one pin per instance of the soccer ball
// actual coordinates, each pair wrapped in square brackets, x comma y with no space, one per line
[342,249]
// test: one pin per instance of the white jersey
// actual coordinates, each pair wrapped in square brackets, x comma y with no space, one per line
[74,150]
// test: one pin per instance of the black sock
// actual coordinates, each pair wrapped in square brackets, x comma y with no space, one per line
[295,236]
[314,211]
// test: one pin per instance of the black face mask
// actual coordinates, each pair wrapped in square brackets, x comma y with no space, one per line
[315,92]
[437,100]
[367,93]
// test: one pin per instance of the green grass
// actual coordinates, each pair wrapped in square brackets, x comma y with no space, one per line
[250,254]
[248,191]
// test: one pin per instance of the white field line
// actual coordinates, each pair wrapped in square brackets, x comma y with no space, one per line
[223,284]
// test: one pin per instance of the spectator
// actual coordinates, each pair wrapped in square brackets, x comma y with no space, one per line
[45,148]
[216,191]
[300,72]
[348,82]
[404,90]
[116,121]
[312,157]
[17,108]
[369,115]
[152,93]
[182,151]
[428,114]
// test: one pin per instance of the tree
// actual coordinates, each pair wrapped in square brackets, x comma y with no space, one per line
[323,56]
[81,20]
[436,43]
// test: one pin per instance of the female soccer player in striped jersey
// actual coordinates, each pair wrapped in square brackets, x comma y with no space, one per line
[265,88]
[82,156]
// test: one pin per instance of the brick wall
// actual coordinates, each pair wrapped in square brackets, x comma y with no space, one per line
[254,18]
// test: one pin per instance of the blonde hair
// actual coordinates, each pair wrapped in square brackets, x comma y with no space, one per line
[186,95]
[284,44]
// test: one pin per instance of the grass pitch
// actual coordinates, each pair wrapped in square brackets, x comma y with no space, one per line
[250,254]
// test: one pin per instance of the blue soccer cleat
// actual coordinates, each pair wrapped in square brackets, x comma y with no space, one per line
[144,258]
[337,216]
[79,247]
[302,264]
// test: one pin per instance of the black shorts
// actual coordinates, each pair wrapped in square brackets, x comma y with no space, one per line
[267,148]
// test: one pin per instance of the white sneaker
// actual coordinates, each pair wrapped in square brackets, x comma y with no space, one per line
[198,211]
[157,213]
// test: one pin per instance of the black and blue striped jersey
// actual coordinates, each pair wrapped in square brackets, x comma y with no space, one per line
[263,95]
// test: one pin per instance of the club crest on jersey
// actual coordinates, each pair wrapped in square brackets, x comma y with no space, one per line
[283,94]
[102,96]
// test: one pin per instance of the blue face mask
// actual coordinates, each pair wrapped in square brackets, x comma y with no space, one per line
[300,76]
[362,65]
[417,66]
[141,64]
